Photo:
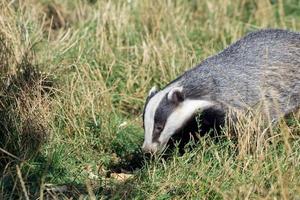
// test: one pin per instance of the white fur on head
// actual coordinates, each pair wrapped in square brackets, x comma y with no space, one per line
[184,111]
[152,91]
[150,110]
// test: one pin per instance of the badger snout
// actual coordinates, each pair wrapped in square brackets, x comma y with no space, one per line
[150,148]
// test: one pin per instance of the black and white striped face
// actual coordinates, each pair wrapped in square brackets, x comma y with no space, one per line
[165,113]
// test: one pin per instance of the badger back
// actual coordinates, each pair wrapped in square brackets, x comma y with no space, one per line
[263,67]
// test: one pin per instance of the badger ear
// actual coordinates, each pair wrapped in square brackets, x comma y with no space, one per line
[153,91]
[176,95]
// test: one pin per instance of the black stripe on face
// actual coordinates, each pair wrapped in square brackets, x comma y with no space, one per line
[162,113]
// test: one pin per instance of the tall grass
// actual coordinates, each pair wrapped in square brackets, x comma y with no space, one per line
[100,59]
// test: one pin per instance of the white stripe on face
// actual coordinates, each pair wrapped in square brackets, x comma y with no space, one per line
[150,112]
[181,114]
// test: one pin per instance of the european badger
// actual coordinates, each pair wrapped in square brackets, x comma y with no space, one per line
[262,66]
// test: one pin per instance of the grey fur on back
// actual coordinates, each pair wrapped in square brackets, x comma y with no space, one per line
[264,65]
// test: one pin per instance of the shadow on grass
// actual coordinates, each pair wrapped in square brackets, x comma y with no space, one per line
[32,173]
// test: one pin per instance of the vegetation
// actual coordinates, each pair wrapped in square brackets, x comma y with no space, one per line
[74,76]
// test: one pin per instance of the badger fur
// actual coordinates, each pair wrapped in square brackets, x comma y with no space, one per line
[261,67]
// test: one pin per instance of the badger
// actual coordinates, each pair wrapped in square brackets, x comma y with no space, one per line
[263,66]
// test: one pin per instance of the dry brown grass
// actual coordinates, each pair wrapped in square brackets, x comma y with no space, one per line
[25,103]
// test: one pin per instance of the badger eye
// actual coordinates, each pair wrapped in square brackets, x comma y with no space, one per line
[159,128]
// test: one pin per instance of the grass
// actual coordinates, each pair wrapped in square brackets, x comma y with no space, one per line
[74,76]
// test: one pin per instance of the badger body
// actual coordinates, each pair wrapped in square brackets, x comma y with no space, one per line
[261,67]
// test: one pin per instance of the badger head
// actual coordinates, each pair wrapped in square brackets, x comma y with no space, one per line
[165,113]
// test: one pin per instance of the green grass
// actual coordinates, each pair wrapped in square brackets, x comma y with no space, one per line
[101,58]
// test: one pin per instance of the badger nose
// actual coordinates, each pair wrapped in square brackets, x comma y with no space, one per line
[149,148]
